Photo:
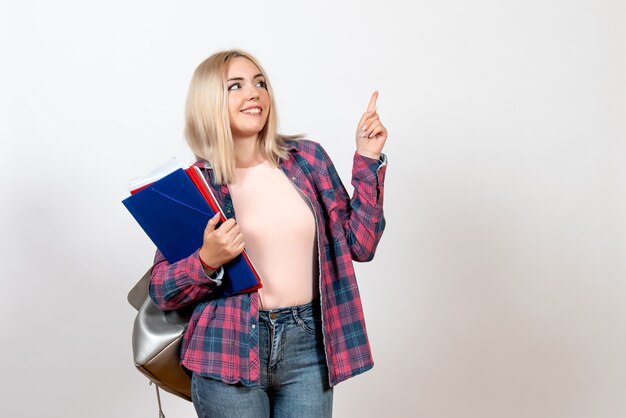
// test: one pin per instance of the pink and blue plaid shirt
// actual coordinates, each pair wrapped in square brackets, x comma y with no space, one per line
[222,340]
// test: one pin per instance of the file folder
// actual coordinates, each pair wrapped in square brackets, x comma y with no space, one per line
[174,211]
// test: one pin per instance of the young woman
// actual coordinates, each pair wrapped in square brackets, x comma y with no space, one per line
[278,351]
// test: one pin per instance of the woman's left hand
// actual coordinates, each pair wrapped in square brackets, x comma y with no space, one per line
[371,134]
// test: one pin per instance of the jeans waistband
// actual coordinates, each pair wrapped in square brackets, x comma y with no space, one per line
[283,315]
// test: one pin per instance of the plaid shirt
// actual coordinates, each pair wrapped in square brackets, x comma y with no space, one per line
[222,339]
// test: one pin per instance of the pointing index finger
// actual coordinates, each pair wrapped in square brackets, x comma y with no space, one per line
[372,105]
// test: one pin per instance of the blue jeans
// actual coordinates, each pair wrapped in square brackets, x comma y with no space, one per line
[294,375]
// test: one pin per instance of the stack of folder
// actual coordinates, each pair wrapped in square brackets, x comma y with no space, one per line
[173,205]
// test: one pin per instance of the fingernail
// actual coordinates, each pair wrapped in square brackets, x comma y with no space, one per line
[362,135]
[364,128]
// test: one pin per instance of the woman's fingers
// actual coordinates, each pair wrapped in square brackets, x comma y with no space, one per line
[226,233]
[233,240]
[222,244]
[369,116]
[210,226]
[371,107]
[371,134]
[378,131]
[371,128]
[237,241]
[364,118]
[228,225]
[367,124]
[239,248]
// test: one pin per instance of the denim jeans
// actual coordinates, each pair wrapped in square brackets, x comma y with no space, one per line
[294,375]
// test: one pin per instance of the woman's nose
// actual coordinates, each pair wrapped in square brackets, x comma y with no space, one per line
[253,94]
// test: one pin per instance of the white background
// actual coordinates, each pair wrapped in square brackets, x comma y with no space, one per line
[498,288]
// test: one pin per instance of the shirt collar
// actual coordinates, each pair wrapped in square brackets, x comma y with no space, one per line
[291,146]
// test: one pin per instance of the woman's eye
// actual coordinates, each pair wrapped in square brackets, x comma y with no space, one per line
[235,86]
[261,84]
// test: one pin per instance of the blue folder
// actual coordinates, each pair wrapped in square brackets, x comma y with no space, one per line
[174,214]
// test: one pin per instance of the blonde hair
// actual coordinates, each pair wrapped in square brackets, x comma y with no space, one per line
[207,123]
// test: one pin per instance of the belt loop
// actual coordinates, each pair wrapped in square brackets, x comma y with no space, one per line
[294,312]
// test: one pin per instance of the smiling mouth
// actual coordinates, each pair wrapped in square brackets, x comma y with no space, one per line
[252,111]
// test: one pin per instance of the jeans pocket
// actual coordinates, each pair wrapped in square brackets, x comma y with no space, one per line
[311,325]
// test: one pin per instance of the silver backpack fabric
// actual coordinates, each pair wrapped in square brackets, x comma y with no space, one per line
[157,339]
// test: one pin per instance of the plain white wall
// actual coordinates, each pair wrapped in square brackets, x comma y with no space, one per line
[498,288]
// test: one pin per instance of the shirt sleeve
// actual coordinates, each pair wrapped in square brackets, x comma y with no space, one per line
[361,216]
[173,286]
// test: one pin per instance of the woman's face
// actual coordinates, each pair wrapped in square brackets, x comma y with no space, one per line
[248,99]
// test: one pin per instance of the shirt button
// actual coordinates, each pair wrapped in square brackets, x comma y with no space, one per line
[293,178]
[253,326]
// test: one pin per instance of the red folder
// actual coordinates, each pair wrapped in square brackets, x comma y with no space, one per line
[200,182]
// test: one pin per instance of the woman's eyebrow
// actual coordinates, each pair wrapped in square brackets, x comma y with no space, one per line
[241,78]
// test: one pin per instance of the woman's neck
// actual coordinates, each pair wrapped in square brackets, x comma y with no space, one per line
[247,152]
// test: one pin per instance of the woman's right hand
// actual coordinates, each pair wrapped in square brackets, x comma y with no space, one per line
[222,244]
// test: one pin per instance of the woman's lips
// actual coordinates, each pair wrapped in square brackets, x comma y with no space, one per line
[252,111]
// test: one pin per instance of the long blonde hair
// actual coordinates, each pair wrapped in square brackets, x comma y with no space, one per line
[207,123]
